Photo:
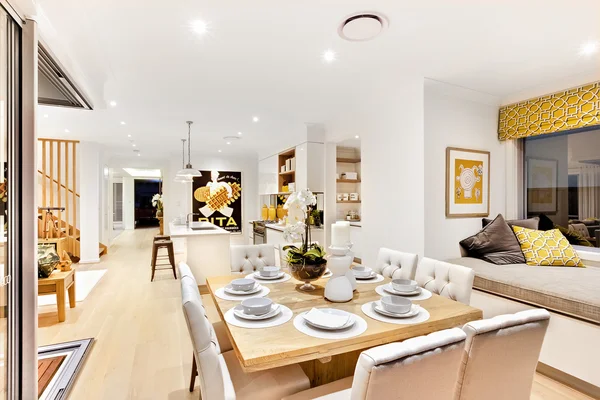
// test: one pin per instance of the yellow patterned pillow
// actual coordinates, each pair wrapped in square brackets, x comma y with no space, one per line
[546,248]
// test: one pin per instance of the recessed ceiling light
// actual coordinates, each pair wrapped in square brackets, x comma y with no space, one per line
[133,144]
[588,48]
[356,137]
[139,154]
[240,133]
[122,122]
[128,135]
[45,115]
[219,150]
[228,142]
[329,56]
[113,103]
[67,131]
[200,27]
[255,119]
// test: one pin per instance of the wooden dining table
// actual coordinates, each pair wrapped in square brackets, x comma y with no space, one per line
[325,360]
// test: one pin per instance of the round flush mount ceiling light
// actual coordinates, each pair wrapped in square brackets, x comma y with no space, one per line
[362,26]
[231,139]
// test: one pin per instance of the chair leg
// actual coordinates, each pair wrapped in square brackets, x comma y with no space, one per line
[154,255]
[194,373]
[172,259]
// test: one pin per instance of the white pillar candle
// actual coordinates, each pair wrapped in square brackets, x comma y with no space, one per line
[340,235]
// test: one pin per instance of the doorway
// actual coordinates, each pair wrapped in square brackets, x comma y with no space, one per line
[145,212]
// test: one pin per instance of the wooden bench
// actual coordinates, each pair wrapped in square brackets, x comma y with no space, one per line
[56,284]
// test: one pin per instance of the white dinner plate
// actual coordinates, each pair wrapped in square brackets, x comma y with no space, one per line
[332,311]
[238,311]
[365,278]
[229,290]
[378,307]
[280,275]
[388,288]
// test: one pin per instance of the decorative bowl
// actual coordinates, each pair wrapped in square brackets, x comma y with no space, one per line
[396,304]
[361,270]
[257,305]
[307,273]
[269,271]
[243,284]
[404,285]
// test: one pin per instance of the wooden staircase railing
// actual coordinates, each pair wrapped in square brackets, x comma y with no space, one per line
[58,180]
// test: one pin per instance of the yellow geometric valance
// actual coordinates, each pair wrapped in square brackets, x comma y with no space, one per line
[561,111]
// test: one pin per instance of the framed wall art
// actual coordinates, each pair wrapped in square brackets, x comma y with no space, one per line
[467,183]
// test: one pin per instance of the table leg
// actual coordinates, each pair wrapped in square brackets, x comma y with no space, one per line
[329,369]
[72,296]
[60,300]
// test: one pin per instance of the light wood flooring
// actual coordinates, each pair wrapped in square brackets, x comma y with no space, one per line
[142,348]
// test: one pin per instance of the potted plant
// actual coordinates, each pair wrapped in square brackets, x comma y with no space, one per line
[157,201]
[307,262]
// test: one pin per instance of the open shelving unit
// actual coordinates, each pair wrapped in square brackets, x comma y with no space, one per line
[348,160]
[286,176]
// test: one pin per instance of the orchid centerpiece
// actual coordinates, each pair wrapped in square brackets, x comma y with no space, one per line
[157,201]
[307,261]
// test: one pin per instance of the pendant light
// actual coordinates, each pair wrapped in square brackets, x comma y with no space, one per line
[189,172]
[178,178]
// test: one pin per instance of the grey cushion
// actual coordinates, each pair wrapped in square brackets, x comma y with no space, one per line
[530,223]
[568,290]
[496,243]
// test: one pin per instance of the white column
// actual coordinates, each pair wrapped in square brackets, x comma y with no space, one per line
[128,203]
[90,202]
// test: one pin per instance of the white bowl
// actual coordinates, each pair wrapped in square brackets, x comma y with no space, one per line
[243,284]
[361,270]
[269,271]
[404,285]
[257,305]
[395,304]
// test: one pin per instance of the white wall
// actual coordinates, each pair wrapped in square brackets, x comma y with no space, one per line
[128,202]
[89,186]
[178,196]
[457,118]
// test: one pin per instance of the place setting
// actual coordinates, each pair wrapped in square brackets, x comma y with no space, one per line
[395,310]
[364,274]
[330,323]
[405,288]
[269,274]
[241,289]
[258,312]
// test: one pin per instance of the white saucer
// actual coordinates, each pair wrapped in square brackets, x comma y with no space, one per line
[229,290]
[238,311]
[332,311]
[366,278]
[388,288]
[280,275]
[414,310]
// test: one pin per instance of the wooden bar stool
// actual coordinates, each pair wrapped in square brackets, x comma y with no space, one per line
[161,237]
[163,244]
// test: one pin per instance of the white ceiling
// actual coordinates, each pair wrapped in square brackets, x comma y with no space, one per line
[263,57]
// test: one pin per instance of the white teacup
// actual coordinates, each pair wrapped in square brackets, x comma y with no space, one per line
[269,271]
[404,285]
[257,305]
[396,304]
[361,270]
[243,284]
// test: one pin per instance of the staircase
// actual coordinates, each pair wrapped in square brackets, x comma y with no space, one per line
[57,181]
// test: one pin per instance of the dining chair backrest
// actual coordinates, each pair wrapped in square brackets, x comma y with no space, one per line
[215,382]
[250,258]
[184,270]
[396,264]
[449,280]
[283,253]
[501,355]
[423,367]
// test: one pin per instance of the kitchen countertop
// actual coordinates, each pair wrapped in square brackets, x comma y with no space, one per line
[357,224]
[177,230]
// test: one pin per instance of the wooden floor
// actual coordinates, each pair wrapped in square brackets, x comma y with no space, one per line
[142,348]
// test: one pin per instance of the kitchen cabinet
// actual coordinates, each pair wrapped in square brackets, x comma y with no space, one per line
[268,176]
[310,166]
[356,239]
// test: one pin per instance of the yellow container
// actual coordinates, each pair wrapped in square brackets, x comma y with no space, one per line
[265,212]
[272,213]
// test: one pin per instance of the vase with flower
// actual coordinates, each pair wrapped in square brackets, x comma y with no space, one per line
[307,261]
[157,201]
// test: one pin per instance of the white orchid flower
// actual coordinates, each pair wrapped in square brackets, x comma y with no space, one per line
[293,232]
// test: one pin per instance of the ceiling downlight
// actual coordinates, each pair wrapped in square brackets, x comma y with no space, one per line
[362,26]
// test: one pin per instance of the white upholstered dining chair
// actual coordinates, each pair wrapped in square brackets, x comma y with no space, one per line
[220,374]
[501,356]
[424,367]
[449,280]
[249,258]
[396,264]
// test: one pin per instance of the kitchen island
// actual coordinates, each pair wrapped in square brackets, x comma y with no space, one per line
[206,248]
